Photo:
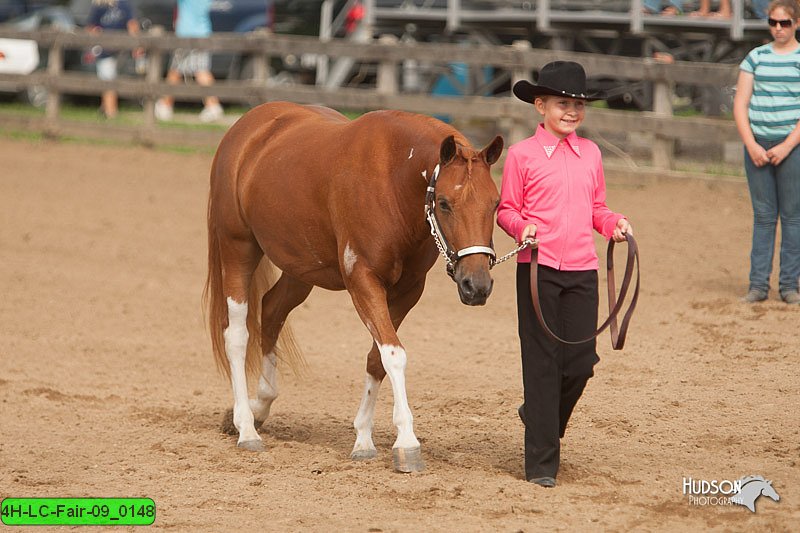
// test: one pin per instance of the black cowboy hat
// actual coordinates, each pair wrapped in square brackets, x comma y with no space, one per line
[558,78]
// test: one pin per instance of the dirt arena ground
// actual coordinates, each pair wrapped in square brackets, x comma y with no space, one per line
[108,388]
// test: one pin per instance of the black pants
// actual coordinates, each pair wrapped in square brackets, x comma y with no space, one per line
[554,374]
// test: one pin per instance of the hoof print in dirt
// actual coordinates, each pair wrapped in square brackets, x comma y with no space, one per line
[227,426]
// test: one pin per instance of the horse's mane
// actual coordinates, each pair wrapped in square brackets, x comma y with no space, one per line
[434,124]
[748,479]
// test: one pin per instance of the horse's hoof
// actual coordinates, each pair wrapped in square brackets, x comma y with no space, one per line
[227,426]
[252,445]
[363,455]
[408,459]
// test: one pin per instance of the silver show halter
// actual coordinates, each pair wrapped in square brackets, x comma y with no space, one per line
[450,255]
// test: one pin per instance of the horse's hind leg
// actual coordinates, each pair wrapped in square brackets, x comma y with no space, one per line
[277,303]
[239,261]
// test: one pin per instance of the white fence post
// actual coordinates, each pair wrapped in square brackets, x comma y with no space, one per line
[260,61]
[155,59]
[519,128]
[453,15]
[663,146]
[543,15]
[637,24]
[326,20]
[386,81]
[55,66]
[737,20]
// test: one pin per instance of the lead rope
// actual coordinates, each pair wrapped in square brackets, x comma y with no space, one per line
[615,303]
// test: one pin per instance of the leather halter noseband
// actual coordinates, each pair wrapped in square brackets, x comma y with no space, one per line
[614,305]
[451,256]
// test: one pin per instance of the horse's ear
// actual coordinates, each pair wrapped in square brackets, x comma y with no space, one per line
[448,150]
[492,152]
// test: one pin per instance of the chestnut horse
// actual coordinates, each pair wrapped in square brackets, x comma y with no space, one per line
[339,204]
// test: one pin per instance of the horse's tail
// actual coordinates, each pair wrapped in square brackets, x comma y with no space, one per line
[286,349]
[215,308]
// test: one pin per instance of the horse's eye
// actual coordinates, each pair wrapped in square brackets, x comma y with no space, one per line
[444,205]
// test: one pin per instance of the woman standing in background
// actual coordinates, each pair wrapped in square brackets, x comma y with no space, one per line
[767,113]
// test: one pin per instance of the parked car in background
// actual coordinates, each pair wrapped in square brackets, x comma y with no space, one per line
[11,9]
[53,17]
[18,56]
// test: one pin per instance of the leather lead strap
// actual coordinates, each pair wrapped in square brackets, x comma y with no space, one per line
[614,304]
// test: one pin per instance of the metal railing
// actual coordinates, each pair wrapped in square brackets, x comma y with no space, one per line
[550,15]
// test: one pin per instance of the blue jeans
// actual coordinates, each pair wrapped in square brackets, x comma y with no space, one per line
[775,192]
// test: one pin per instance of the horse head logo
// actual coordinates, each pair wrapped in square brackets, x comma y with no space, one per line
[752,488]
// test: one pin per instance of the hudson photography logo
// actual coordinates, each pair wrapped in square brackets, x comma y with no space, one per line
[744,491]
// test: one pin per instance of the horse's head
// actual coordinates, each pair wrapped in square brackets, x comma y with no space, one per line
[464,200]
[769,491]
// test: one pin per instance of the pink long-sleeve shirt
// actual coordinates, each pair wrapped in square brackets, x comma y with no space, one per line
[557,184]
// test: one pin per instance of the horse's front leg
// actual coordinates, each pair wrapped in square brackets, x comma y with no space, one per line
[403,298]
[370,299]
[406,449]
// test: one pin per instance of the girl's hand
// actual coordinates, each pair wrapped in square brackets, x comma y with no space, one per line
[528,232]
[778,153]
[759,155]
[622,229]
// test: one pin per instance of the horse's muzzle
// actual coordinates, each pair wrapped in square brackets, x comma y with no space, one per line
[474,288]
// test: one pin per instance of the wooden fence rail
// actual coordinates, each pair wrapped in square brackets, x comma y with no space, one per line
[520,60]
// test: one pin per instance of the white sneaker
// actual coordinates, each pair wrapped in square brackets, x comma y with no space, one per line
[211,113]
[163,111]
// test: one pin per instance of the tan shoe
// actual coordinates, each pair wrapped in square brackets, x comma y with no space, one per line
[754,296]
[791,297]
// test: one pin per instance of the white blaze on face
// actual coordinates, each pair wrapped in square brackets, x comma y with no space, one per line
[349,258]
[411,154]
[393,359]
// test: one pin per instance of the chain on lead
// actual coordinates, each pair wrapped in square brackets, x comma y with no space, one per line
[526,243]
[438,240]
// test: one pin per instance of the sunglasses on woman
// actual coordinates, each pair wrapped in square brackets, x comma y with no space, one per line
[785,23]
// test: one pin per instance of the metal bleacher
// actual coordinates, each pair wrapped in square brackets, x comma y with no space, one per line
[510,18]
[614,27]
